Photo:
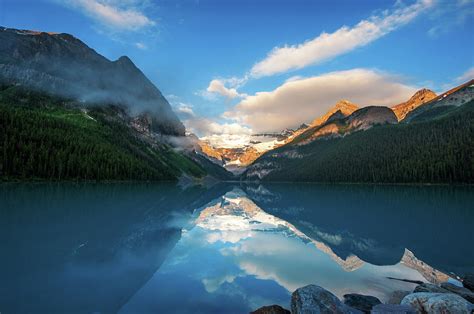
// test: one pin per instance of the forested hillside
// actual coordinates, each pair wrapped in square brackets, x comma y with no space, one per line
[49,138]
[438,147]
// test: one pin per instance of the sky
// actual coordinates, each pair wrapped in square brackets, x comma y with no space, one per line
[239,67]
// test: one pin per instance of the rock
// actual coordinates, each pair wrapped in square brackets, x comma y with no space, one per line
[428,287]
[461,291]
[361,302]
[271,309]
[397,296]
[424,302]
[313,299]
[468,281]
[392,309]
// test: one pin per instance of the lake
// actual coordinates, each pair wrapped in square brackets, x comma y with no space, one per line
[155,248]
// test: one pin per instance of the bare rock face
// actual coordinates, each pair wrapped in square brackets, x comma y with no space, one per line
[446,303]
[313,299]
[344,107]
[367,117]
[419,98]
[141,124]
[271,309]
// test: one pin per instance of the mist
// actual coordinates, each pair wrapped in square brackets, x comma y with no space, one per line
[66,67]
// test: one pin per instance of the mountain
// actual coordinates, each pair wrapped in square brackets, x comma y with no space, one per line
[446,101]
[419,98]
[236,159]
[433,144]
[67,113]
[345,108]
[336,123]
[62,65]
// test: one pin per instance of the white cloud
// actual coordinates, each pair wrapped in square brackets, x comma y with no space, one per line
[184,111]
[302,100]
[118,15]
[327,46]
[218,87]
[219,135]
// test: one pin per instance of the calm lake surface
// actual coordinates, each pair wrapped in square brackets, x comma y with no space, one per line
[158,248]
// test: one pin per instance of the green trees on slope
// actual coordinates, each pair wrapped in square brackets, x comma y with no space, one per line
[39,138]
[439,150]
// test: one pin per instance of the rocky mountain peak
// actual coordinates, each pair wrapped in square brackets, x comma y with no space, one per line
[422,94]
[125,61]
[344,106]
[419,98]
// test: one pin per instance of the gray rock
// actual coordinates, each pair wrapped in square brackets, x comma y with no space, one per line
[428,287]
[392,309]
[313,299]
[365,303]
[461,291]
[446,303]
[468,281]
[271,309]
[397,296]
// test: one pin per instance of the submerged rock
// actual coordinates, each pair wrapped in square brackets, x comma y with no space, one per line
[365,303]
[428,287]
[446,303]
[271,309]
[468,281]
[313,299]
[461,291]
[397,296]
[393,309]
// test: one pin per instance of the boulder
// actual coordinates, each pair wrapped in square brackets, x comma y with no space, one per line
[425,302]
[461,291]
[397,296]
[313,299]
[428,287]
[365,303]
[271,309]
[392,309]
[468,281]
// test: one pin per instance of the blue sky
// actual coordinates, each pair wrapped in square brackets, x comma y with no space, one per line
[371,52]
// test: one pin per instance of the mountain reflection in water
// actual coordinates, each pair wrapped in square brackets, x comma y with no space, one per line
[159,248]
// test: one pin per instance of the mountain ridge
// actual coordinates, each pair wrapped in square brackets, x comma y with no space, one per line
[63,65]
[371,145]
[419,98]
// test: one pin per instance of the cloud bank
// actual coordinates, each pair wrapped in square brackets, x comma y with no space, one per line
[219,134]
[302,100]
[327,46]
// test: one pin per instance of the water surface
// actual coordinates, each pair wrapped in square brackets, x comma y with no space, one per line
[143,248]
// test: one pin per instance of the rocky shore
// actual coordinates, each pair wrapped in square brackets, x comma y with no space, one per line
[445,298]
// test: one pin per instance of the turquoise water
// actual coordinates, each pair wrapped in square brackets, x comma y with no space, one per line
[148,248]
